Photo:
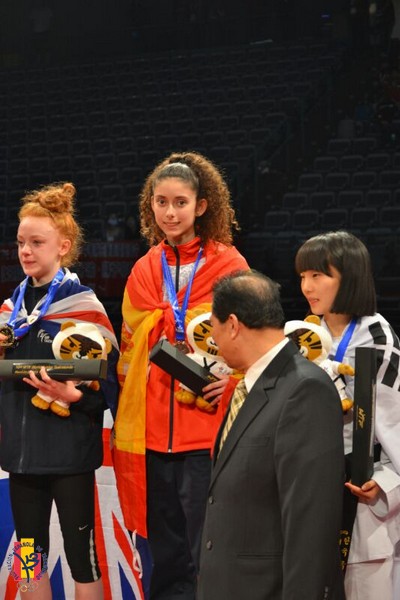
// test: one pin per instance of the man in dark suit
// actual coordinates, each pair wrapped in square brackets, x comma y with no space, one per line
[274,507]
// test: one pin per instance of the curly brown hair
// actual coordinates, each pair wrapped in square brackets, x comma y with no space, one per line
[218,221]
[56,201]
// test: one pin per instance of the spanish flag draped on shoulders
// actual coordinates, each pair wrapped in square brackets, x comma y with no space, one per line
[148,416]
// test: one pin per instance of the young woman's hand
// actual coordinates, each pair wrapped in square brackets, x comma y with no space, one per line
[368,491]
[213,391]
[58,390]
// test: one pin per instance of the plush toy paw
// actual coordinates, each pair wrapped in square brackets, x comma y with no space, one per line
[204,405]
[347,403]
[40,403]
[185,396]
[345,369]
[59,410]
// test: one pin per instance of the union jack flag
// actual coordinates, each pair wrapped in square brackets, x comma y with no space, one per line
[125,562]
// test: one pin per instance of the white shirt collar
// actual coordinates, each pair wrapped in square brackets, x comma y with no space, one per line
[254,372]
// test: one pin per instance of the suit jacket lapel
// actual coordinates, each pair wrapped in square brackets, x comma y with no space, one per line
[257,398]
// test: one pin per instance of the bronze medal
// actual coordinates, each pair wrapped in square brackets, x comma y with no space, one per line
[182,346]
[7,331]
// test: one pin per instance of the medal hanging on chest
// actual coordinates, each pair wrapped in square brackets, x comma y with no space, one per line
[13,332]
[182,347]
[8,331]
[179,312]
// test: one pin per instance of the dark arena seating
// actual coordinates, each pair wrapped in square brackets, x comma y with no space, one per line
[305,127]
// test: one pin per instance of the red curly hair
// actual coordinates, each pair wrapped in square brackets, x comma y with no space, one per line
[56,201]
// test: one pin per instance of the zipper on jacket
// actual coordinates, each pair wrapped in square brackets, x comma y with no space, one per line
[22,461]
[23,428]
[172,388]
[171,414]
[30,303]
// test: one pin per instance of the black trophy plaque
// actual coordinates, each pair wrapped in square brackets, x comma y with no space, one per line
[61,370]
[181,367]
[362,465]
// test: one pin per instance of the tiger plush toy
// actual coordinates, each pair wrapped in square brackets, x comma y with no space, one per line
[205,353]
[315,343]
[74,341]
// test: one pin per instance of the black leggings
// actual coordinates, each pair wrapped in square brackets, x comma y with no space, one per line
[31,501]
[177,485]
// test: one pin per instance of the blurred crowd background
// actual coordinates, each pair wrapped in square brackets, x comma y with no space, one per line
[297,101]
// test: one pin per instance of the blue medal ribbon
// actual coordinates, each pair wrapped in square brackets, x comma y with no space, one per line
[26,323]
[344,342]
[179,313]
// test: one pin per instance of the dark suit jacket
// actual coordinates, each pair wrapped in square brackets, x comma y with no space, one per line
[275,499]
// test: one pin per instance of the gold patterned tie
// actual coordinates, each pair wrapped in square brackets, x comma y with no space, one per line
[238,398]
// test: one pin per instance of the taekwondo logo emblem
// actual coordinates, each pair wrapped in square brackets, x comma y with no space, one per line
[27,565]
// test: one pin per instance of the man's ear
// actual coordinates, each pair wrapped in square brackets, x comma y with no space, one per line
[234,325]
